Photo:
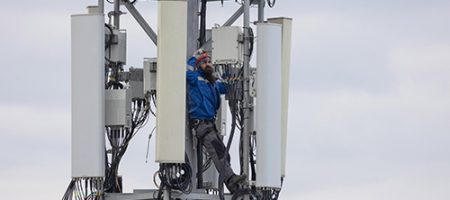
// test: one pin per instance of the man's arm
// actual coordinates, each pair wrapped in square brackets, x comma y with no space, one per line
[191,76]
[191,63]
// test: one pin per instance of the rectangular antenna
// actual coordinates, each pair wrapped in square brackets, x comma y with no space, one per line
[285,68]
[88,96]
[268,105]
[171,82]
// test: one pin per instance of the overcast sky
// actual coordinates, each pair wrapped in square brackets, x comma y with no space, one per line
[369,104]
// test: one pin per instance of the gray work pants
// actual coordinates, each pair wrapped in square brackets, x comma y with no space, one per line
[207,133]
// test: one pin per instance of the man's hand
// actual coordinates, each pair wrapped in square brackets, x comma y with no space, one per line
[199,53]
[226,76]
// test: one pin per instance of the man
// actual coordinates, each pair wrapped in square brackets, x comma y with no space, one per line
[203,101]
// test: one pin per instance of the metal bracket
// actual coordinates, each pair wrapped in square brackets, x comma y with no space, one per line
[241,38]
[252,82]
[141,21]
[194,138]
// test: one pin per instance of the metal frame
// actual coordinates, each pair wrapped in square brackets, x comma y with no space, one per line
[248,100]
[141,21]
[192,45]
[149,195]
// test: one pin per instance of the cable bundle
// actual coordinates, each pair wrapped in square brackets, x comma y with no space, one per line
[207,164]
[270,194]
[175,176]
[234,78]
[84,189]
[119,138]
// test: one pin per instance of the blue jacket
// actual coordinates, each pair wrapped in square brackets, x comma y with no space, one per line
[203,97]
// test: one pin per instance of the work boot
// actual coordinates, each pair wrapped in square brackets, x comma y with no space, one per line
[235,181]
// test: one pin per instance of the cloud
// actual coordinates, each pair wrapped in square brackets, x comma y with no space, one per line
[36,180]
[403,187]
[341,47]
[36,149]
[366,179]
[425,67]
[352,144]
[33,135]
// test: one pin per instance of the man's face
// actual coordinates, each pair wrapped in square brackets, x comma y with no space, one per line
[208,69]
[206,64]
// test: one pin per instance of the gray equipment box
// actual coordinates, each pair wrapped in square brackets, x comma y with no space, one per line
[226,45]
[136,81]
[150,75]
[117,52]
[117,108]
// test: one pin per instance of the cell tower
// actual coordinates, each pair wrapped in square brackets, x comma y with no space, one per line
[110,104]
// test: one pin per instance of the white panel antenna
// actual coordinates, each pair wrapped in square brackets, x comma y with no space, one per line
[285,68]
[268,106]
[88,96]
[171,82]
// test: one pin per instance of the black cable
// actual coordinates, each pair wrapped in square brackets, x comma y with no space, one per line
[154,100]
[233,103]
[131,2]
[83,188]
[176,176]
[139,118]
[202,38]
[240,193]
[252,161]
[69,191]
[204,166]
[271,4]
[111,35]
[199,164]
[252,38]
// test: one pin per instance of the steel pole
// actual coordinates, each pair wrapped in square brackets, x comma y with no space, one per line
[101,6]
[247,98]
[192,45]
[117,13]
[261,5]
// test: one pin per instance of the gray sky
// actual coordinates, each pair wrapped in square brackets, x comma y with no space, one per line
[369,103]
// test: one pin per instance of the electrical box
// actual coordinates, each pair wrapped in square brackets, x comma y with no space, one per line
[136,82]
[117,52]
[227,45]
[88,97]
[118,108]
[149,75]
